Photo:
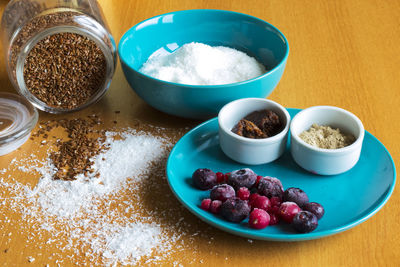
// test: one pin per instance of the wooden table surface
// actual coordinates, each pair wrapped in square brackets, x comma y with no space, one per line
[343,53]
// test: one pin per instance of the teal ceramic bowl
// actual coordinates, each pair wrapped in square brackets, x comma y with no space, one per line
[168,32]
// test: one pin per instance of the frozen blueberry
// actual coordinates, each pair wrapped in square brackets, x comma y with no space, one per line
[295,195]
[242,178]
[222,192]
[204,179]
[305,222]
[315,208]
[235,210]
[270,187]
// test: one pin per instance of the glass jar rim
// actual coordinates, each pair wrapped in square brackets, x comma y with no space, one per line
[25,127]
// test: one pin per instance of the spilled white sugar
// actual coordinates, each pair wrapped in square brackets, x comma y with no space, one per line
[74,210]
[127,158]
[137,233]
[201,64]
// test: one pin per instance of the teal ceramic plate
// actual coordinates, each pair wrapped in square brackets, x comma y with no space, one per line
[349,199]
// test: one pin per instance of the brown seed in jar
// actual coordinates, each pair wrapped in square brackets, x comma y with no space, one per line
[65,70]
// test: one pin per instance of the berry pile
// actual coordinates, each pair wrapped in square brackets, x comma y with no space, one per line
[243,194]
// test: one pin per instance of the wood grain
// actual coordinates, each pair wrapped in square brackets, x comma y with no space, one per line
[343,53]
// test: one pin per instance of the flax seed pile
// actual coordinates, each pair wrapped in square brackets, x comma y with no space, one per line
[72,156]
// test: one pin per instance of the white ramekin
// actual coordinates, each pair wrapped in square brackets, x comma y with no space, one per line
[247,150]
[326,161]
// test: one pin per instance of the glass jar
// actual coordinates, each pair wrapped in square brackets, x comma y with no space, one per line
[59,54]
[17,119]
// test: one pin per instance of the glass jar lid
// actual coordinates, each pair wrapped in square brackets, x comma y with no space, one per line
[17,119]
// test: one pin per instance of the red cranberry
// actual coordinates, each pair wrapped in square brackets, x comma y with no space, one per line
[259,219]
[275,201]
[220,177]
[259,177]
[215,206]
[252,198]
[226,176]
[288,210]
[273,218]
[274,210]
[205,204]
[261,202]
[243,193]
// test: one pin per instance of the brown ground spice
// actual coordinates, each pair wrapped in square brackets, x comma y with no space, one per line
[259,124]
[248,129]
